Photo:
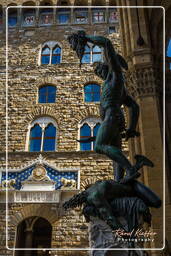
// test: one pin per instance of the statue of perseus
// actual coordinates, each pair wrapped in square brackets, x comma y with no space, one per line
[113,96]
[107,200]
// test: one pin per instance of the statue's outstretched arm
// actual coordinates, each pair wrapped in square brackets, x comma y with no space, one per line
[134,115]
[97,40]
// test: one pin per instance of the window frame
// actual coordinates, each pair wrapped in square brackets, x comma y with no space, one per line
[51,45]
[91,122]
[43,122]
[98,10]
[38,93]
[92,83]
[91,46]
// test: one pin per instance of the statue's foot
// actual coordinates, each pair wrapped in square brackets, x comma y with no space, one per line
[129,178]
[143,160]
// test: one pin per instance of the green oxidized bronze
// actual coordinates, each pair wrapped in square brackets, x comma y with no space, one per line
[124,196]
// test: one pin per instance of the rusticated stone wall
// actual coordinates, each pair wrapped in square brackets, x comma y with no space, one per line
[25,76]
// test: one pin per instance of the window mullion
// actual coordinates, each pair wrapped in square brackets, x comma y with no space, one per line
[91,136]
[42,140]
[50,59]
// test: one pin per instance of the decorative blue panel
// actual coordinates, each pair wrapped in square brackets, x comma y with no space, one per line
[18,176]
[56,176]
[53,174]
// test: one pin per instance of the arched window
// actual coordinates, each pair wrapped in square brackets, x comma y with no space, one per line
[12,17]
[96,54]
[51,53]
[92,93]
[42,135]
[169,54]
[45,58]
[87,55]
[92,53]
[47,94]
[49,138]
[35,138]
[85,132]
[88,128]
[56,55]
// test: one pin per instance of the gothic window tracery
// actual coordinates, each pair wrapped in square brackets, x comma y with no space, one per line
[92,93]
[42,135]
[88,128]
[51,53]
[93,53]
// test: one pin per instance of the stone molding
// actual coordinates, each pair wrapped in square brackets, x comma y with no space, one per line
[144,81]
[30,210]
[39,111]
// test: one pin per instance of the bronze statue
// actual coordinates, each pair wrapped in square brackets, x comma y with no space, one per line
[113,96]
[108,199]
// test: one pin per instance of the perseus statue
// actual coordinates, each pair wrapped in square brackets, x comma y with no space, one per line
[113,96]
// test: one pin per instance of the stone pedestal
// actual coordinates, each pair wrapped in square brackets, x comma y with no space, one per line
[101,236]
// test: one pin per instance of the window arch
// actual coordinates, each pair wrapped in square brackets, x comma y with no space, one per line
[92,93]
[47,94]
[88,128]
[42,135]
[51,53]
[169,54]
[92,53]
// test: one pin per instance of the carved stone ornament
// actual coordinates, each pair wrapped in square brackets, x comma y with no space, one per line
[39,173]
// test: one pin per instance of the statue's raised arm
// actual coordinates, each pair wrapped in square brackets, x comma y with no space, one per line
[79,40]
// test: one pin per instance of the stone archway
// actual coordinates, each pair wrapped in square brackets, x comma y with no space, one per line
[33,232]
[41,210]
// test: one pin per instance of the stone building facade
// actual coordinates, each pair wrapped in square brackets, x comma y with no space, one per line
[32,207]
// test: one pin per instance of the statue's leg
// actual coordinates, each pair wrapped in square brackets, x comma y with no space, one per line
[118,170]
[106,143]
[146,194]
